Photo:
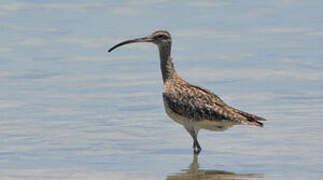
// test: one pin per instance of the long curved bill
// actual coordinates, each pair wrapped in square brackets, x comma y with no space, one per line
[144,39]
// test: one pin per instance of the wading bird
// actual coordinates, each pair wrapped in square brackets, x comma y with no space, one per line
[192,106]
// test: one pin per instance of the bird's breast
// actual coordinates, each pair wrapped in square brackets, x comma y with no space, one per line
[172,114]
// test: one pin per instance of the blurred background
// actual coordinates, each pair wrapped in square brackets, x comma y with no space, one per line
[70,110]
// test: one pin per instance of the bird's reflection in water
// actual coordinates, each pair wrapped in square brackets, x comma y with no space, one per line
[194,172]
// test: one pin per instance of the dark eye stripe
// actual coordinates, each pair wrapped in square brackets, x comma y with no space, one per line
[162,36]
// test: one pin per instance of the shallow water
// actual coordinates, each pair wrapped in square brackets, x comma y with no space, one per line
[70,110]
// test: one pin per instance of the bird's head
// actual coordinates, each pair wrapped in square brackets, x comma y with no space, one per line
[161,38]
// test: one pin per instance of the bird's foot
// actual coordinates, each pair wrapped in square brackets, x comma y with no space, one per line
[197,150]
[196,147]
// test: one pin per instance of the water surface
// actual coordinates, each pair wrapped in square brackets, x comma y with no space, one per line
[70,110]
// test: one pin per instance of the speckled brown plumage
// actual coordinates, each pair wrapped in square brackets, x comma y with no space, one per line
[192,106]
[196,103]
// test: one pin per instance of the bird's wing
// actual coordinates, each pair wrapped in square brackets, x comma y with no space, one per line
[194,102]
[249,116]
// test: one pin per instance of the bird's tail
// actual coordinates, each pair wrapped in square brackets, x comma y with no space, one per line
[256,123]
[252,119]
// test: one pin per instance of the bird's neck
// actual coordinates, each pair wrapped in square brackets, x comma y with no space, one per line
[166,63]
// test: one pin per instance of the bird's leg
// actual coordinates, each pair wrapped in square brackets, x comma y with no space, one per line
[196,146]
[189,126]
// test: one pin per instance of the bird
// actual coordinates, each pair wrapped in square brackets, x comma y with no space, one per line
[192,106]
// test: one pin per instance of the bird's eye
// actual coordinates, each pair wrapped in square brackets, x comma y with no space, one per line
[161,37]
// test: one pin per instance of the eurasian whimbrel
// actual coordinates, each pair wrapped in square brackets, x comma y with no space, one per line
[192,106]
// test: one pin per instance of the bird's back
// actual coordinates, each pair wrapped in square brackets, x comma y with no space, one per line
[199,104]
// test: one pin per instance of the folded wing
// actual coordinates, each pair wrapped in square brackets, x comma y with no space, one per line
[196,103]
